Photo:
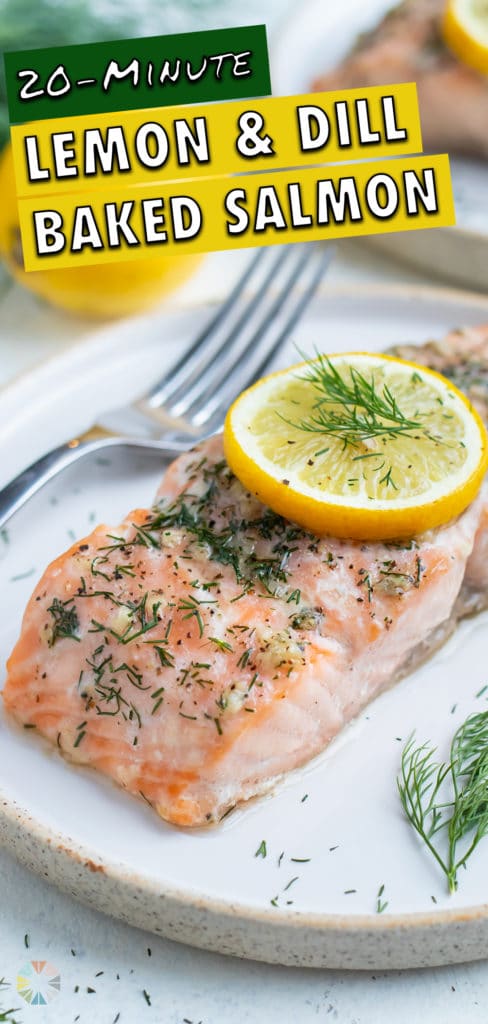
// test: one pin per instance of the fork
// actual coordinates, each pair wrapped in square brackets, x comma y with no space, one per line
[232,351]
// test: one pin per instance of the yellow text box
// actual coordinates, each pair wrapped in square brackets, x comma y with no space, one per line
[143,146]
[204,215]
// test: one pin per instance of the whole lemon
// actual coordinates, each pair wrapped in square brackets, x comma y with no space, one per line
[105,290]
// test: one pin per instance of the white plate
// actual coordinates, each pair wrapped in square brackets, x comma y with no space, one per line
[207,887]
[313,40]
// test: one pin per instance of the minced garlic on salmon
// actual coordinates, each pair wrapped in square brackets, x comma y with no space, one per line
[200,650]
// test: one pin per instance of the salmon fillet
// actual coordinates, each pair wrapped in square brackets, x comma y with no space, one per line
[462,356]
[407,46]
[202,649]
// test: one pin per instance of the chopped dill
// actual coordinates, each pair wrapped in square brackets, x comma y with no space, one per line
[65,622]
[381,904]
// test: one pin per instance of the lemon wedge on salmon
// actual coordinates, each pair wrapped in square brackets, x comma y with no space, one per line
[358,445]
[465,31]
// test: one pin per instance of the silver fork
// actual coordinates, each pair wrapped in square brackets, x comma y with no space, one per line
[189,403]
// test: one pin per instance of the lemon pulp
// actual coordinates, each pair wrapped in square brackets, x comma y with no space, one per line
[316,461]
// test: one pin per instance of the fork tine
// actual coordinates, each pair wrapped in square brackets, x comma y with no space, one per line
[214,412]
[257,353]
[190,360]
[235,344]
[176,396]
[265,341]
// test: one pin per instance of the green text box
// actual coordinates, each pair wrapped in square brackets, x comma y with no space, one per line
[218,54]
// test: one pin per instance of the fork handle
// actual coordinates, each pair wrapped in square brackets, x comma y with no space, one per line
[32,479]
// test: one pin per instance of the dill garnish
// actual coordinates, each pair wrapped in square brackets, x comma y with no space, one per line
[353,409]
[381,904]
[222,645]
[158,698]
[447,802]
[135,629]
[165,657]
[6,1015]
[65,621]
[190,605]
[22,576]
[119,570]
[229,539]
[244,658]
[261,850]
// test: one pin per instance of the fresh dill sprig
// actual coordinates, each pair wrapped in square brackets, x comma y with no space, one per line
[353,409]
[6,1015]
[419,784]
[447,803]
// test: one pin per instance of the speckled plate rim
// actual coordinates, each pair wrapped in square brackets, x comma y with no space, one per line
[297,938]
[356,941]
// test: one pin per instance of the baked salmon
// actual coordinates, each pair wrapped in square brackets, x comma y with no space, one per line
[203,648]
[407,46]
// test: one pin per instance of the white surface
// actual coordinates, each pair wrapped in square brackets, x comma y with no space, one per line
[186,983]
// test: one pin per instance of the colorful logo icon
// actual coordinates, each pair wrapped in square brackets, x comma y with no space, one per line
[38,982]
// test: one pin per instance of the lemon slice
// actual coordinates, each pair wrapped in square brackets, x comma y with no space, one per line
[358,445]
[465,31]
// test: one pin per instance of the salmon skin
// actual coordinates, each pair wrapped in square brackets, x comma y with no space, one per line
[407,46]
[202,649]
